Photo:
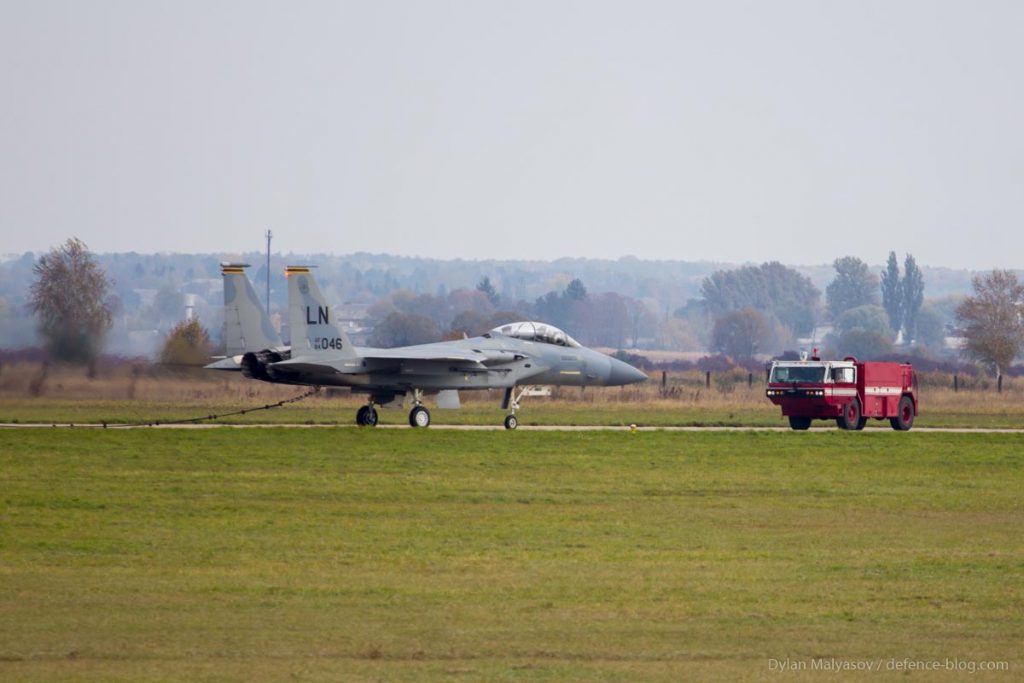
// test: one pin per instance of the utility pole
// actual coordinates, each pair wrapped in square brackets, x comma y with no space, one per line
[269,235]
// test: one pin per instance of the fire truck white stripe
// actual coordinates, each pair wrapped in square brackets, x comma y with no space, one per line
[883,390]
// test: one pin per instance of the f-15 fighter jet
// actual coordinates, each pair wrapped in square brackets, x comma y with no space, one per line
[512,357]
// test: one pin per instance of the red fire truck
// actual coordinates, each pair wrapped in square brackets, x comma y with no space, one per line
[847,391]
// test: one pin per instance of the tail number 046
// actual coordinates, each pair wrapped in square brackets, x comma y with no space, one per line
[325,343]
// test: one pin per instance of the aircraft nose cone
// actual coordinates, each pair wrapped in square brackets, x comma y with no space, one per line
[623,373]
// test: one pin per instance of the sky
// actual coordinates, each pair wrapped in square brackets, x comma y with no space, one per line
[718,131]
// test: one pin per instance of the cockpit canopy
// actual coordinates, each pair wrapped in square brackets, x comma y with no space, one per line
[536,332]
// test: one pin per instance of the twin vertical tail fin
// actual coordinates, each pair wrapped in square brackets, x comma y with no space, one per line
[246,323]
[315,331]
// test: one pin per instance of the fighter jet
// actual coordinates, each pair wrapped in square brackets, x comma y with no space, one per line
[512,357]
[247,327]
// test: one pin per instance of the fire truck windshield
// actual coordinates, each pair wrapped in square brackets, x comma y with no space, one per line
[811,374]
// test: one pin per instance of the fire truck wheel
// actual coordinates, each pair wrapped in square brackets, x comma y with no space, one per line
[800,423]
[861,423]
[851,415]
[904,419]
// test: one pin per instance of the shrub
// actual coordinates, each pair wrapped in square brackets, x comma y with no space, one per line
[188,344]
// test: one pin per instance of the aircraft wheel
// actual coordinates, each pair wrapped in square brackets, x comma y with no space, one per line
[800,423]
[851,416]
[366,417]
[419,417]
[904,419]
[511,422]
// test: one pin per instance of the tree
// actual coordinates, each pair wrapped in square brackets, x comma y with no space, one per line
[863,344]
[404,329]
[931,330]
[913,296]
[468,323]
[607,322]
[853,286]
[862,332]
[641,320]
[576,291]
[697,328]
[499,318]
[409,302]
[68,298]
[740,334]
[460,300]
[677,334]
[474,324]
[488,290]
[892,294]
[568,310]
[771,288]
[867,318]
[992,320]
[187,344]
[169,303]
[551,308]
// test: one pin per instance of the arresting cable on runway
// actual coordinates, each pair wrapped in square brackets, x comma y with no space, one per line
[193,420]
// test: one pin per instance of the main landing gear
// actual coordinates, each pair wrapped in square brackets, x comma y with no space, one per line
[367,416]
[419,416]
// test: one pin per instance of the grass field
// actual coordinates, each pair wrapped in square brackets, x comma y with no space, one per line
[735,410]
[436,555]
[66,395]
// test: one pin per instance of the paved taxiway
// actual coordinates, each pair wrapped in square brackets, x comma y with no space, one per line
[501,428]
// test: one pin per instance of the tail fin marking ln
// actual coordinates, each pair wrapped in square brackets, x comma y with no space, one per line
[315,332]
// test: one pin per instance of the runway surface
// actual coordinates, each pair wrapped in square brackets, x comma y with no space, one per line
[501,428]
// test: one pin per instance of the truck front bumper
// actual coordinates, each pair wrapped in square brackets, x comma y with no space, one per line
[806,406]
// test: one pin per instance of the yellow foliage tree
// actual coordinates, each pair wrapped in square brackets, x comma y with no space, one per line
[188,344]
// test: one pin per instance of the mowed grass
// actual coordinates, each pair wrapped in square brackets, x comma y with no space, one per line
[746,408]
[346,554]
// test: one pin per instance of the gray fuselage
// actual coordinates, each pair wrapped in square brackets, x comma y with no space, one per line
[510,362]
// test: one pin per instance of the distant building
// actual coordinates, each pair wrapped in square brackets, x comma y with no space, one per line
[146,296]
[208,287]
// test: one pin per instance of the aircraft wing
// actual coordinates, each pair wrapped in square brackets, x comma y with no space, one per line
[413,353]
[231,363]
[444,352]
[381,362]
[392,360]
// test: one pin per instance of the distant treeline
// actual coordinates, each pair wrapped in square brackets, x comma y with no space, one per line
[623,303]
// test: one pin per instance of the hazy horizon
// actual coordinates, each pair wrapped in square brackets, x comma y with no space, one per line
[257,258]
[732,133]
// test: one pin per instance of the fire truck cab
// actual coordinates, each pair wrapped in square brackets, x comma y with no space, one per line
[848,391]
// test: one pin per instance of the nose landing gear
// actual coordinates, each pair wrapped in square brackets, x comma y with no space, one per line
[511,403]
